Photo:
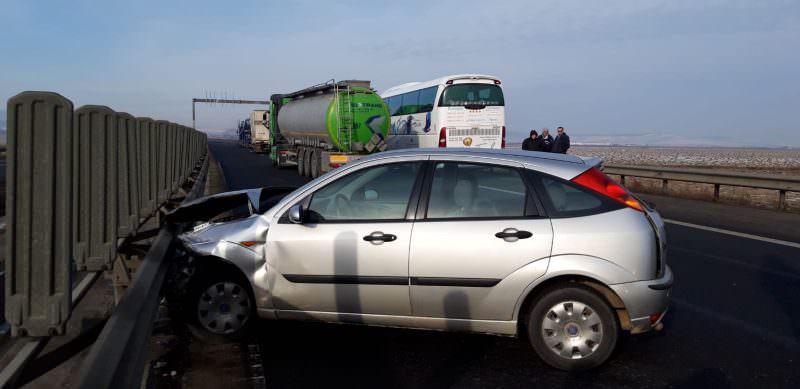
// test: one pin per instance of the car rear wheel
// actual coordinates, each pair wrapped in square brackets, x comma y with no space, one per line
[572,328]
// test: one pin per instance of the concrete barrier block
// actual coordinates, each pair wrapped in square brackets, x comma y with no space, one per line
[95,187]
[39,213]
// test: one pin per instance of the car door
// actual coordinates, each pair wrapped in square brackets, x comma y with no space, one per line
[350,253]
[478,241]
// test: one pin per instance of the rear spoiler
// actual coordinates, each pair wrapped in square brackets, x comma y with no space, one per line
[592,161]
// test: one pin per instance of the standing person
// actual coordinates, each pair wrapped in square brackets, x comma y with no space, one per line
[547,140]
[561,143]
[533,142]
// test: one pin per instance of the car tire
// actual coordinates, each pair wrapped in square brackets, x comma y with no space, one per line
[221,306]
[572,328]
[301,157]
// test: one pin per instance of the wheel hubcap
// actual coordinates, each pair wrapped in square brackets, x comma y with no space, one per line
[223,308]
[572,329]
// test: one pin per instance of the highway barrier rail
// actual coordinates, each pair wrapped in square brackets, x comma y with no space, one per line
[86,192]
[781,184]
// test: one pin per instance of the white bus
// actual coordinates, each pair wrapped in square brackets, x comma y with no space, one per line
[465,110]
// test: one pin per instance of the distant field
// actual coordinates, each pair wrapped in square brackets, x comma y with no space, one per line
[751,161]
[743,160]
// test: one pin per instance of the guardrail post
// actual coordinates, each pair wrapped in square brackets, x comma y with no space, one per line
[782,200]
[39,219]
[622,180]
[95,185]
[664,187]
[716,192]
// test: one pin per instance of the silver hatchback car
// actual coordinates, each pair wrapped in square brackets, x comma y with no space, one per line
[511,243]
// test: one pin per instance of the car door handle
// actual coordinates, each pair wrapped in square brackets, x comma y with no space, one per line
[378,236]
[511,233]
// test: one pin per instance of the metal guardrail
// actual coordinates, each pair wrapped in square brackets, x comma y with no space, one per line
[117,358]
[80,185]
[782,184]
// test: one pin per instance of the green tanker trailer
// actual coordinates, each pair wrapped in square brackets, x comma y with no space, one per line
[325,126]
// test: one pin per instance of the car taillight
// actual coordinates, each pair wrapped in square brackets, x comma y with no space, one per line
[503,141]
[443,137]
[595,180]
[655,317]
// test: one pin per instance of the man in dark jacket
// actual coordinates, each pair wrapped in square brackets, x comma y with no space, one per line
[533,142]
[561,143]
[547,140]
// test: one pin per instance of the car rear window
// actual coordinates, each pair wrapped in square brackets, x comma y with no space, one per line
[562,198]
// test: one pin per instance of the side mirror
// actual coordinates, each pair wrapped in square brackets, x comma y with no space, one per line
[296,214]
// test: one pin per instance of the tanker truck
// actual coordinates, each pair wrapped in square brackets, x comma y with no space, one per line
[259,131]
[327,125]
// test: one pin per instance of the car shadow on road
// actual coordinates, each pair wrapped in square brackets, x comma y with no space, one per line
[782,282]
[705,378]
[306,354]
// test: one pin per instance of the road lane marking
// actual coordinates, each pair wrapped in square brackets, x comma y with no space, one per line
[734,233]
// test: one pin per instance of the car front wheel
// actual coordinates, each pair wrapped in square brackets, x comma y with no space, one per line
[572,328]
[222,306]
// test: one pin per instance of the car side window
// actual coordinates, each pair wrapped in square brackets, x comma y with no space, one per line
[375,193]
[564,199]
[468,190]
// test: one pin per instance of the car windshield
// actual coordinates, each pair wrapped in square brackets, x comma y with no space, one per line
[460,95]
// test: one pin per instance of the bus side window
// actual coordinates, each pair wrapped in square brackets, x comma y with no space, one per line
[394,105]
[410,103]
[426,98]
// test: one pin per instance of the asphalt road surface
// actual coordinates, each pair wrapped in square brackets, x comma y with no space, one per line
[734,319]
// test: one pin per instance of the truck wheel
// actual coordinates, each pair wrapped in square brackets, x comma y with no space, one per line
[572,328]
[301,156]
[307,163]
[315,163]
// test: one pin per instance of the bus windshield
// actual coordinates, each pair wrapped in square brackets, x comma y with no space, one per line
[460,95]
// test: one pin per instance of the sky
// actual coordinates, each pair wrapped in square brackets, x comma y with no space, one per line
[702,71]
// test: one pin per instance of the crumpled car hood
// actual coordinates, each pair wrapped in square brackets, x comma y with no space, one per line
[204,238]
[257,200]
